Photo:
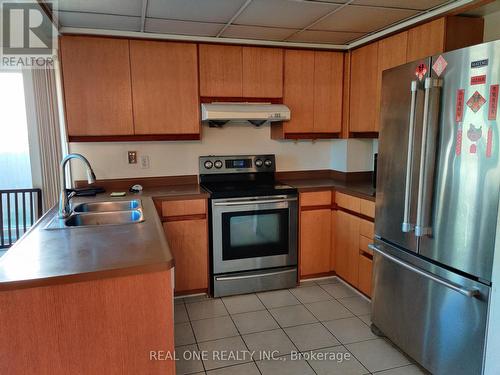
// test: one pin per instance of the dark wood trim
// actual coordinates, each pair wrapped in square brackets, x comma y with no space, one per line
[189,292]
[312,136]
[363,134]
[146,182]
[318,207]
[366,254]
[353,213]
[184,218]
[134,137]
[233,99]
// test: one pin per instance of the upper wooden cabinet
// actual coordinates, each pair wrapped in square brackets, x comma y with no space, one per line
[96,78]
[165,87]
[364,90]
[240,72]
[221,71]
[262,72]
[313,92]
[442,35]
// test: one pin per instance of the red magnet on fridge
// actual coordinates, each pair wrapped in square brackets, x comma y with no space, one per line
[493,107]
[459,105]
[421,71]
[476,101]
[489,142]
[474,134]
[458,145]
[440,65]
[478,80]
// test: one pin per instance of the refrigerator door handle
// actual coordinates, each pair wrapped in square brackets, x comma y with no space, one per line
[407,226]
[420,228]
[451,285]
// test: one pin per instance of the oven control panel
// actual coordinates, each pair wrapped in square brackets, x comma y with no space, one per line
[214,164]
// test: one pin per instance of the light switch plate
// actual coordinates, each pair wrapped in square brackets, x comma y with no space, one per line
[132,157]
[144,161]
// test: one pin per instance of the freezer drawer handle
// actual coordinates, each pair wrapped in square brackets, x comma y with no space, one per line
[407,226]
[456,287]
[242,203]
[227,278]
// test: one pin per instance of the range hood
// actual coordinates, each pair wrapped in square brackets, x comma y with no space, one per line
[217,114]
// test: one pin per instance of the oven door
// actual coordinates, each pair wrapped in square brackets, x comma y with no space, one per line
[254,233]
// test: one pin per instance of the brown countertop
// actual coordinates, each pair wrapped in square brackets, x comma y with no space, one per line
[45,257]
[361,189]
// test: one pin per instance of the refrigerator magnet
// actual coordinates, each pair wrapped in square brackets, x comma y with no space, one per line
[421,71]
[489,142]
[459,105]
[478,80]
[493,106]
[476,101]
[474,134]
[440,65]
[458,145]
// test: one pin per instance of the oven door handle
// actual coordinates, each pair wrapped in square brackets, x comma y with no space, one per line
[243,203]
[241,277]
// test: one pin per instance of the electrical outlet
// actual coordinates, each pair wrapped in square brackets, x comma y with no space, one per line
[132,157]
[144,161]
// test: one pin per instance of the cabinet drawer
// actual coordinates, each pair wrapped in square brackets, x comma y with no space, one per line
[366,228]
[367,208]
[348,202]
[365,275]
[316,198]
[183,208]
[363,244]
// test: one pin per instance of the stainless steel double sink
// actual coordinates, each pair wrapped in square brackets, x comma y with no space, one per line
[101,213]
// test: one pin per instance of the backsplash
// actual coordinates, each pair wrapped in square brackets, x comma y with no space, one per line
[109,160]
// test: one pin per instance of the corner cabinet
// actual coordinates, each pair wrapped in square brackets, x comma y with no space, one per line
[313,88]
[240,72]
[126,90]
[368,62]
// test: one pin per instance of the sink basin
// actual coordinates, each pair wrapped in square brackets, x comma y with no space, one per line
[104,218]
[108,206]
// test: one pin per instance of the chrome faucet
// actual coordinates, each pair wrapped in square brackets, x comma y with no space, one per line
[64,210]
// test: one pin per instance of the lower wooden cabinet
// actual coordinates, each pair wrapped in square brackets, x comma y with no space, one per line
[188,241]
[347,247]
[365,274]
[315,241]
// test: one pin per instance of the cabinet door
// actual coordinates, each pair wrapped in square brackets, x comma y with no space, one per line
[364,94]
[365,274]
[188,241]
[220,71]
[299,90]
[328,80]
[347,247]
[333,241]
[97,95]
[426,40]
[315,237]
[165,87]
[262,72]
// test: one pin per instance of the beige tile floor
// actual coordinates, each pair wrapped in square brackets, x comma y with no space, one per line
[322,317]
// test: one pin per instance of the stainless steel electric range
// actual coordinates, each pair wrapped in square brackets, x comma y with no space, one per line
[253,224]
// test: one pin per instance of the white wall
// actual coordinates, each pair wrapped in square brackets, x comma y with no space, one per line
[109,160]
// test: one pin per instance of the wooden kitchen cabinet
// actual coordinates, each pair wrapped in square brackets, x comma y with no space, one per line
[315,241]
[365,273]
[240,72]
[161,71]
[364,90]
[347,247]
[221,71]
[262,72]
[313,89]
[188,241]
[96,79]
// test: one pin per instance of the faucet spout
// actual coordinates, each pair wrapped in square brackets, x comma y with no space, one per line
[64,210]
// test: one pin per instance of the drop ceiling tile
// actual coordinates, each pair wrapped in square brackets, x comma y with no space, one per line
[99,21]
[362,19]
[330,37]
[283,13]
[162,26]
[194,10]
[407,4]
[257,32]
[121,7]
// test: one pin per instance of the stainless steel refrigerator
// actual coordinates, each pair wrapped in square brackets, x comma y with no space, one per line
[438,184]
